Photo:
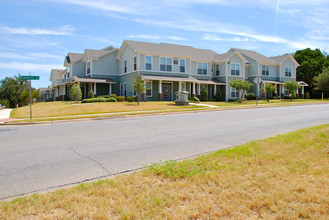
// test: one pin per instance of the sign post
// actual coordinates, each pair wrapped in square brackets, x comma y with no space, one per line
[257,81]
[30,78]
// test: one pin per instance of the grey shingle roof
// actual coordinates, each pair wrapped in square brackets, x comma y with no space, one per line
[256,56]
[95,53]
[55,73]
[74,57]
[173,49]
[279,59]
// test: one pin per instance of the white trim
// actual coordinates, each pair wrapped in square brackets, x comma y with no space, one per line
[290,72]
[197,67]
[151,62]
[265,65]
[180,65]
[240,72]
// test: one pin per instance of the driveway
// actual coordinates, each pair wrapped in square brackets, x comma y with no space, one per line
[5,115]
[43,157]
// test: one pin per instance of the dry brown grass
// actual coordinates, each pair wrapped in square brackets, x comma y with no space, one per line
[285,177]
[51,109]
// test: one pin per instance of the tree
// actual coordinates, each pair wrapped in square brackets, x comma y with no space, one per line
[76,93]
[322,81]
[241,86]
[269,89]
[204,94]
[139,86]
[292,86]
[25,95]
[11,89]
[311,64]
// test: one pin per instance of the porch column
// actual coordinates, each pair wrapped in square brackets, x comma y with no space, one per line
[144,92]
[193,93]
[265,91]
[110,89]
[297,93]
[95,88]
[180,86]
[160,90]
[215,90]
[303,92]
[282,91]
[276,89]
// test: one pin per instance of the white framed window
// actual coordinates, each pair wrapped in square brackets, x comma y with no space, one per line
[217,70]
[88,68]
[148,62]
[148,86]
[287,71]
[235,69]
[135,63]
[182,65]
[125,66]
[125,89]
[166,64]
[121,89]
[265,70]
[175,61]
[183,86]
[202,68]
[286,92]
[68,71]
[234,93]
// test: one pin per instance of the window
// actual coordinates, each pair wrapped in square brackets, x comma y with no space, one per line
[183,86]
[165,64]
[148,62]
[288,71]
[202,68]
[234,93]
[175,62]
[217,70]
[125,66]
[265,70]
[135,63]
[88,68]
[182,66]
[121,89]
[148,89]
[68,71]
[125,89]
[235,69]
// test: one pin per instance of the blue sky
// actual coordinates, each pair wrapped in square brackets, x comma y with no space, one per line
[36,35]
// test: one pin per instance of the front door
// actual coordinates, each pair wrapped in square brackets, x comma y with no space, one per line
[167,91]
[83,91]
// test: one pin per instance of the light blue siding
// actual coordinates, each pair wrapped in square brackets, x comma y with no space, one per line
[105,65]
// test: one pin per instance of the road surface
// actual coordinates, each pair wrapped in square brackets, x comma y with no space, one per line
[44,157]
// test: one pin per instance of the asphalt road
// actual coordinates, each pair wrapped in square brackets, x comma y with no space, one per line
[43,157]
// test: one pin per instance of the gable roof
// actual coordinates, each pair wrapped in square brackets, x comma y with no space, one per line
[55,73]
[169,49]
[260,58]
[282,58]
[94,54]
[72,58]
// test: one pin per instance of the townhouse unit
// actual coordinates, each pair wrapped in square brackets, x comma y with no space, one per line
[168,68]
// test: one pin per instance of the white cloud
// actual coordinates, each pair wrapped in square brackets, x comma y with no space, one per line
[24,67]
[63,30]
[213,37]
[175,38]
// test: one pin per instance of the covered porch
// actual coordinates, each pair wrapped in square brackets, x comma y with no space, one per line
[163,88]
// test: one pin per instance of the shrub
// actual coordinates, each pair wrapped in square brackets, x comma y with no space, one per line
[106,96]
[308,95]
[278,97]
[5,102]
[111,99]
[121,99]
[91,94]
[194,99]
[251,96]
[99,99]
[212,100]
[114,96]
[130,99]
[204,95]
[218,95]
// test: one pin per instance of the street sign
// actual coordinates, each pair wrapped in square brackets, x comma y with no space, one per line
[257,80]
[29,77]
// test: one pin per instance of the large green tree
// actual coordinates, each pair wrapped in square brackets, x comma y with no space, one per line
[292,86]
[322,81]
[11,89]
[311,64]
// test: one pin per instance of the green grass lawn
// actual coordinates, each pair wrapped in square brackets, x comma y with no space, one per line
[283,177]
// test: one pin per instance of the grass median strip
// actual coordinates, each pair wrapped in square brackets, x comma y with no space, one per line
[283,177]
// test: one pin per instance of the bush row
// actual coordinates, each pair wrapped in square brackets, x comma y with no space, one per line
[99,99]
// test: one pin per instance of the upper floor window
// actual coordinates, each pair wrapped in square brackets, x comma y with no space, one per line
[288,71]
[88,67]
[182,66]
[165,64]
[125,66]
[135,63]
[202,68]
[148,62]
[235,69]
[217,70]
[265,70]
[175,61]
[68,71]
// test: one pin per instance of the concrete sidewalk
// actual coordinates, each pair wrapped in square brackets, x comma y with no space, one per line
[5,115]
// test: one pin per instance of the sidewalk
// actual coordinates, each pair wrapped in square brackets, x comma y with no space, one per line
[5,115]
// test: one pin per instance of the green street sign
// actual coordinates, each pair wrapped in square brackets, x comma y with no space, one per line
[29,77]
